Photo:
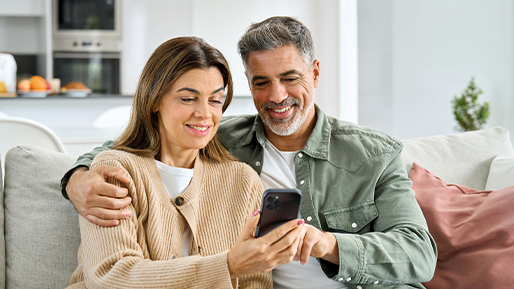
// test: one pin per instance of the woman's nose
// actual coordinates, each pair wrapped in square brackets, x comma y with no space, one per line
[203,110]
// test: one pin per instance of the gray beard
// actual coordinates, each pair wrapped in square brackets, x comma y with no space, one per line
[285,127]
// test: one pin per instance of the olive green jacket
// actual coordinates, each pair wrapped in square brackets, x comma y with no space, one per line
[354,185]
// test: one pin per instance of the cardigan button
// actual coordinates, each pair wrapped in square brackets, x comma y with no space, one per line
[179,201]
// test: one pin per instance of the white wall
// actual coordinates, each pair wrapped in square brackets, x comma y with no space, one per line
[147,23]
[415,56]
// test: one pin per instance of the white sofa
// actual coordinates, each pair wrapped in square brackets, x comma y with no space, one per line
[41,234]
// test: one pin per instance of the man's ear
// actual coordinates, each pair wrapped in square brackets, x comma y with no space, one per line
[315,72]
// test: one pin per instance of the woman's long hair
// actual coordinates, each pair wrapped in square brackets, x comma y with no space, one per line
[167,63]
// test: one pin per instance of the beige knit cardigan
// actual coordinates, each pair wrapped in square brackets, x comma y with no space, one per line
[144,250]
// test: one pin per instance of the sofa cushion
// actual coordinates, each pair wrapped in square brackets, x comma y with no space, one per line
[473,230]
[462,158]
[42,233]
[501,174]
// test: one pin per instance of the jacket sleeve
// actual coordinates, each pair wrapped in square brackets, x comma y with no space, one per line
[114,257]
[400,249]
[84,160]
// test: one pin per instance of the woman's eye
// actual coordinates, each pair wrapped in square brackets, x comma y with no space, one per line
[187,99]
[215,101]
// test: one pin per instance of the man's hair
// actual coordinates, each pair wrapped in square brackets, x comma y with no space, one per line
[168,62]
[273,33]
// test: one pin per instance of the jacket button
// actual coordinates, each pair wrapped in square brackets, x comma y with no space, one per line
[179,201]
[354,225]
[300,155]
[257,163]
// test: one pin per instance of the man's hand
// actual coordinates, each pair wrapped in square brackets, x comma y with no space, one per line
[95,199]
[318,244]
[251,255]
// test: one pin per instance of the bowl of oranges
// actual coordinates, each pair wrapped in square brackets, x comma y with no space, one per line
[36,86]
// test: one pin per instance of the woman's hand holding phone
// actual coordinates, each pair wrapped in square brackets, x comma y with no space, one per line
[251,255]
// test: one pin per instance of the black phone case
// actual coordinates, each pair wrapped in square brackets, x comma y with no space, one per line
[278,206]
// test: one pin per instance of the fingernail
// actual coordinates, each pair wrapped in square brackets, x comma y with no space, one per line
[126,213]
[115,223]
[255,213]
[300,222]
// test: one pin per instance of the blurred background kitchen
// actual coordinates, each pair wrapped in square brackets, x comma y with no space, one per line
[394,65]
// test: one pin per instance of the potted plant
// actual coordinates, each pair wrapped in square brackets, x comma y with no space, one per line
[469,114]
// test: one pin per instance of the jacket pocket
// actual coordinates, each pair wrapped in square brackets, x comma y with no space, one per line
[351,219]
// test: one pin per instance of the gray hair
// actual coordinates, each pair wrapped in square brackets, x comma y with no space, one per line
[273,33]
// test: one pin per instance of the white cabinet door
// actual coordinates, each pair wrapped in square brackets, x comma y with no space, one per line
[22,7]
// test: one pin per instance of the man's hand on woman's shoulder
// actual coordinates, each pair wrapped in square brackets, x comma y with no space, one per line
[95,199]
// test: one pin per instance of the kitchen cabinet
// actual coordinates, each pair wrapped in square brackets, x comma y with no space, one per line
[25,29]
[22,8]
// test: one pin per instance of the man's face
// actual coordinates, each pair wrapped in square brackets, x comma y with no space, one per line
[282,86]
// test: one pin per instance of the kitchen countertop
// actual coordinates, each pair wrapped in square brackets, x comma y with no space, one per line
[63,96]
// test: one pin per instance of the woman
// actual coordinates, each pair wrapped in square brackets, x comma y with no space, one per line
[190,198]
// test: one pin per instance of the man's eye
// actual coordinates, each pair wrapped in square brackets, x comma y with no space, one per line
[259,84]
[291,79]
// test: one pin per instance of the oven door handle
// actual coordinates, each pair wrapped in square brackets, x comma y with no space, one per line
[87,55]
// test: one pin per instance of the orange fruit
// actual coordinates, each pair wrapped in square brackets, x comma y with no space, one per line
[24,85]
[37,83]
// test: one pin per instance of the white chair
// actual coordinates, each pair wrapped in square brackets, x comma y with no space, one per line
[21,131]
[3,114]
[116,117]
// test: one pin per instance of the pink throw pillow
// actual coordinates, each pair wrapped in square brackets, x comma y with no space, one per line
[473,230]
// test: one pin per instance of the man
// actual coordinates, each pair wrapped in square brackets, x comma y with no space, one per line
[362,223]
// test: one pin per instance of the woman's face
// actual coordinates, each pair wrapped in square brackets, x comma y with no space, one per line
[190,112]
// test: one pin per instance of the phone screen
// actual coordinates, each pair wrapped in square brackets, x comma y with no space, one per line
[278,206]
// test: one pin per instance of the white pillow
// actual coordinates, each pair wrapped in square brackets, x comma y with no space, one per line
[501,174]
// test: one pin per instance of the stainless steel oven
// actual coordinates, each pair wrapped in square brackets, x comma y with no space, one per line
[87,43]
[100,71]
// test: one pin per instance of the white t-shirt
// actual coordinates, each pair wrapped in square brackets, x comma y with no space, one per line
[176,181]
[278,171]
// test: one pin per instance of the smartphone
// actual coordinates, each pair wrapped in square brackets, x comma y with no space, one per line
[278,206]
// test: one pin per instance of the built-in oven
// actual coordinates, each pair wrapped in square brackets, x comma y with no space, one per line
[87,43]
[99,71]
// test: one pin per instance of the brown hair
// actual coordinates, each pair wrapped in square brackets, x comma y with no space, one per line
[167,63]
